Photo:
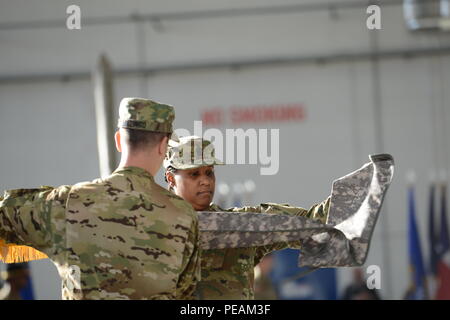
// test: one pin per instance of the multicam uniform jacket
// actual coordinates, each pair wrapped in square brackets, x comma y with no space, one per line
[123,237]
[228,273]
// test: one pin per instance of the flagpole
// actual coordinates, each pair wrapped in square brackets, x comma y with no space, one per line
[418,289]
[443,250]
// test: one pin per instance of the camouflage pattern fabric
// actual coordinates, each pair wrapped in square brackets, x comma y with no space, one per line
[344,241]
[190,152]
[234,243]
[356,201]
[123,237]
[228,273]
[144,114]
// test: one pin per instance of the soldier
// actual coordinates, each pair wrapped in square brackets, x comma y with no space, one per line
[226,273]
[122,237]
[18,277]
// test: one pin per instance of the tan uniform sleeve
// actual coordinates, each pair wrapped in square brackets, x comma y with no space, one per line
[30,217]
[187,281]
[317,212]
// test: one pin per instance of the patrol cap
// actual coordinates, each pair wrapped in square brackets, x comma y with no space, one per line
[144,114]
[190,152]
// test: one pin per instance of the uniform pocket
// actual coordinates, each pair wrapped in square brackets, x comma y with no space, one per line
[213,259]
[239,259]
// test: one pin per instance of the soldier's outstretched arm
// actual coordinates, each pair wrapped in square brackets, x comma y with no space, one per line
[190,275]
[344,240]
[32,217]
[318,212]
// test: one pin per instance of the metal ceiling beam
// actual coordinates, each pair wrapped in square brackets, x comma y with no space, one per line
[234,65]
[202,14]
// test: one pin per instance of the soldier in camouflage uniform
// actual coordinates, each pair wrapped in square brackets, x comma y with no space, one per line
[226,273]
[122,237]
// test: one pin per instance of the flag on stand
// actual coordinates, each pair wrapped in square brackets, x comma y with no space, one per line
[443,250]
[418,287]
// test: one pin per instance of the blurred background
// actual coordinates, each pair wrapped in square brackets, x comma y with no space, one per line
[350,91]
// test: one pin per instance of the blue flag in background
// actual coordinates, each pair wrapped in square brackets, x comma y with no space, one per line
[418,288]
[27,293]
[19,277]
[444,238]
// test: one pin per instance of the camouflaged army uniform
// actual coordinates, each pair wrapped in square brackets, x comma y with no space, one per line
[122,237]
[190,152]
[229,273]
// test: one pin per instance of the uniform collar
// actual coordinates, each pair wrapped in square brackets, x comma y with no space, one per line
[135,171]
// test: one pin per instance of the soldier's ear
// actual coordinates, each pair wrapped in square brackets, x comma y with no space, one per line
[117,139]
[162,148]
[170,179]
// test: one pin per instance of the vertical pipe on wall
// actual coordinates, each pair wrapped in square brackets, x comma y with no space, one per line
[104,113]
[442,116]
[434,122]
[380,148]
[355,118]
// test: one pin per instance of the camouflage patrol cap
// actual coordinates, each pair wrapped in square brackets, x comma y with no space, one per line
[144,114]
[190,152]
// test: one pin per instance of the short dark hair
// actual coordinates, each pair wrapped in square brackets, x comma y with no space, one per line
[140,139]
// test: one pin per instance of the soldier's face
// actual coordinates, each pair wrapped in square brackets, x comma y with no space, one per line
[196,186]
